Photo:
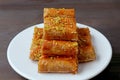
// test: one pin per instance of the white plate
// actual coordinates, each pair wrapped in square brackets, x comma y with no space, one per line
[18,57]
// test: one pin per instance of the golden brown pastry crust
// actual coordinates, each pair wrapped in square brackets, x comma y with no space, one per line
[57,64]
[53,12]
[59,28]
[35,50]
[59,48]
[86,50]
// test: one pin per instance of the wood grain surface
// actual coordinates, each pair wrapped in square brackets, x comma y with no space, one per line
[103,15]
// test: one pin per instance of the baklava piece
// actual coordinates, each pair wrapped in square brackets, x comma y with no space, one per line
[86,50]
[58,64]
[35,50]
[59,48]
[59,28]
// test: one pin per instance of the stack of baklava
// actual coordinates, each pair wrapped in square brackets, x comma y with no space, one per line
[60,45]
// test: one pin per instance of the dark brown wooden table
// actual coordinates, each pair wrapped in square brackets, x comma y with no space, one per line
[103,15]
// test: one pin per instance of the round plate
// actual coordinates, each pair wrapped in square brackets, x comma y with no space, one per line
[19,49]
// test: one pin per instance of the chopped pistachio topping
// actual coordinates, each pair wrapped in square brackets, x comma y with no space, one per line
[75,44]
[57,19]
[47,27]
